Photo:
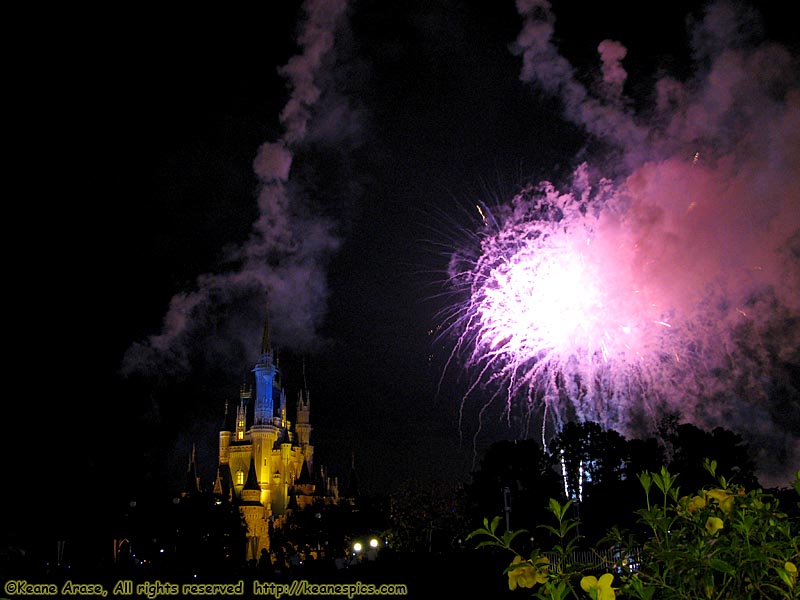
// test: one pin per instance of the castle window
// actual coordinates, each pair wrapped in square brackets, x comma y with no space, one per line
[240,435]
[239,477]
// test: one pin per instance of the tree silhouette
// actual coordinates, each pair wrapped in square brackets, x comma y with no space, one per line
[515,479]
[689,446]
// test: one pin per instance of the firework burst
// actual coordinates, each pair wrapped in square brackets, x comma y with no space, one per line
[545,319]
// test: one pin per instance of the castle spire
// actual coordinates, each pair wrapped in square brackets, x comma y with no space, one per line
[267,381]
[352,485]
[192,485]
[226,418]
[251,492]
[265,343]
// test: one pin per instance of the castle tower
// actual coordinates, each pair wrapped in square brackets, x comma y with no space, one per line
[266,425]
[266,372]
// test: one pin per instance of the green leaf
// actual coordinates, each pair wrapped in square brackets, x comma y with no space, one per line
[721,566]
[555,508]
[493,526]
[508,536]
[559,592]
[646,480]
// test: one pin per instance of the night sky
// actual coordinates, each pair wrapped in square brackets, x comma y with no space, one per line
[141,135]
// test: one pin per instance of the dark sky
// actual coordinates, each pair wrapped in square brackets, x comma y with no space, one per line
[139,138]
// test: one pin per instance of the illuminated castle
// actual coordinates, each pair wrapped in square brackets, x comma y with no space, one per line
[265,461]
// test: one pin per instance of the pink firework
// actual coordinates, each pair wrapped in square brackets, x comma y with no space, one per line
[608,302]
[549,318]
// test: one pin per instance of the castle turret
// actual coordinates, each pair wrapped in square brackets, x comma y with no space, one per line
[223,484]
[251,492]
[303,427]
[241,413]
[254,515]
[303,418]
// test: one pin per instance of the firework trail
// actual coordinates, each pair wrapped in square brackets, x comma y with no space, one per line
[667,281]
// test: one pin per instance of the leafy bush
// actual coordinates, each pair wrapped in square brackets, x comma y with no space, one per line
[722,542]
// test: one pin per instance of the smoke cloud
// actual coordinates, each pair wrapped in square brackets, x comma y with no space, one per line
[283,264]
[704,214]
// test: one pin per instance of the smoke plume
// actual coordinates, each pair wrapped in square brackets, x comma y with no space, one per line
[283,264]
